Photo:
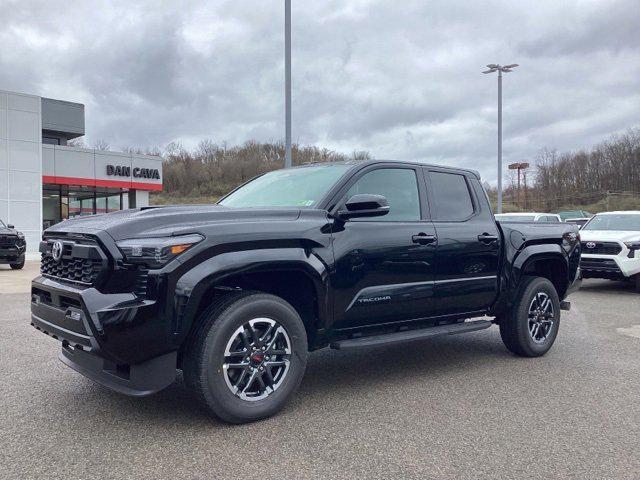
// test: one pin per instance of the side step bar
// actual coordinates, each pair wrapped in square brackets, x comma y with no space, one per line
[410,335]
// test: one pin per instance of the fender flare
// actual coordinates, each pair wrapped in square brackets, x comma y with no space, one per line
[512,271]
[191,287]
[533,253]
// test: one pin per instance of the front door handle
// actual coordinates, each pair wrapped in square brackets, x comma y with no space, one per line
[486,238]
[424,238]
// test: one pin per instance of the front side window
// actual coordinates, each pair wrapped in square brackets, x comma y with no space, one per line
[295,187]
[452,197]
[612,221]
[398,185]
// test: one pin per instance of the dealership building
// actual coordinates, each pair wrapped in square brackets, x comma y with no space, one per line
[43,181]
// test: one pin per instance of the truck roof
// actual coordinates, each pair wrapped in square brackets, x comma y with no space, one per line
[404,162]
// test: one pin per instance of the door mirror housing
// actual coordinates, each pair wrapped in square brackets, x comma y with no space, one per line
[364,205]
[11,226]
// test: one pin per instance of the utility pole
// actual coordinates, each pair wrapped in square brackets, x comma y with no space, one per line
[287,82]
[500,69]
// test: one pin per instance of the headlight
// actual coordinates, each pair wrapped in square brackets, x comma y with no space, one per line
[20,236]
[632,246]
[156,252]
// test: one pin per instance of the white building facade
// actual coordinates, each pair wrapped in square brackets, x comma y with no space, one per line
[43,181]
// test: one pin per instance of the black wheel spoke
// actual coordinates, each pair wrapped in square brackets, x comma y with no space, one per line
[237,365]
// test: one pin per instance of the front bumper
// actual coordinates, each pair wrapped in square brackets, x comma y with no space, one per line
[12,254]
[610,266]
[115,339]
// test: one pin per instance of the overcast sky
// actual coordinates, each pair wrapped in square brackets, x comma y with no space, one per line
[400,79]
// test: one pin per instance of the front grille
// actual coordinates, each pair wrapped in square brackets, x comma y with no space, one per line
[601,248]
[79,270]
[8,240]
[603,265]
[82,261]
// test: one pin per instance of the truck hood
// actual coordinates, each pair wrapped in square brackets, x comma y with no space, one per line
[609,235]
[170,220]
[7,231]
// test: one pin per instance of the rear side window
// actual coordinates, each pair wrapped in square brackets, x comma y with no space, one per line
[398,185]
[452,197]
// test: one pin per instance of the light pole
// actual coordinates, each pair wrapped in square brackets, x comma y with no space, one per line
[500,69]
[287,82]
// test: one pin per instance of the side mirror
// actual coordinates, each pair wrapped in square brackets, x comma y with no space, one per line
[364,205]
[10,226]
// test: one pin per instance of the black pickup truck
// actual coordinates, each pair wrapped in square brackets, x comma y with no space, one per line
[12,246]
[347,255]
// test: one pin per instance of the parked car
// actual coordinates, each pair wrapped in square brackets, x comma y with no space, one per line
[347,255]
[12,246]
[611,245]
[528,217]
[564,215]
[581,222]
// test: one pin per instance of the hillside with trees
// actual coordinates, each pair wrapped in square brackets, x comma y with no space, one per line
[605,177]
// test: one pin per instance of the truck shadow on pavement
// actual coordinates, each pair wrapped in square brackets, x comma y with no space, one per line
[329,373]
[608,287]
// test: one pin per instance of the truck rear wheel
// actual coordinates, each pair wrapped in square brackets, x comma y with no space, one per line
[247,357]
[531,327]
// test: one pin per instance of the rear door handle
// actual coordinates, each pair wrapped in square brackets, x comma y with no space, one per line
[424,238]
[486,238]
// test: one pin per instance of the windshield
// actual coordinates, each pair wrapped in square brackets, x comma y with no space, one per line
[2,224]
[623,222]
[515,218]
[295,187]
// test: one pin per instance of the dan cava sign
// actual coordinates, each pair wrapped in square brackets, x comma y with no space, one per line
[126,171]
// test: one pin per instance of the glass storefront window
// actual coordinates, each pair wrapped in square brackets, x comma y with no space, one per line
[51,213]
[61,202]
[81,202]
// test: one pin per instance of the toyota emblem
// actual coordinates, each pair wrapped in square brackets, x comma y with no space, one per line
[56,250]
[591,245]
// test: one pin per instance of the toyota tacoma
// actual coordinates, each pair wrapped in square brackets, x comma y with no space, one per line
[344,255]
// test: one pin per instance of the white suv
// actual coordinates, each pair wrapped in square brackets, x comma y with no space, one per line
[528,217]
[611,246]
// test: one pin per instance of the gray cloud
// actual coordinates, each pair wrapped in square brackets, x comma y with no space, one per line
[400,79]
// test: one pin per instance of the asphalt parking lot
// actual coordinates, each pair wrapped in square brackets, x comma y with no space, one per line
[455,407]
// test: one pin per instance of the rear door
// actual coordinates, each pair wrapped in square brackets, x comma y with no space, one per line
[468,253]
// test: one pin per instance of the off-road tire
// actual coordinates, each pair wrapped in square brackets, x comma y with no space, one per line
[514,325]
[204,358]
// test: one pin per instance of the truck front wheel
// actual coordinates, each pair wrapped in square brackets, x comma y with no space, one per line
[531,326]
[247,356]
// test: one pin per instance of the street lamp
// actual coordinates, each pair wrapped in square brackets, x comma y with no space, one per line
[287,82]
[500,69]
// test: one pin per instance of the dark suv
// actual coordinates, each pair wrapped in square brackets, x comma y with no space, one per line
[347,255]
[12,246]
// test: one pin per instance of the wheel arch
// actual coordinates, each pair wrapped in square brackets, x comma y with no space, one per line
[293,274]
[546,261]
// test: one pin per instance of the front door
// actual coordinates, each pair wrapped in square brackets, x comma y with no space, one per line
[384,265]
